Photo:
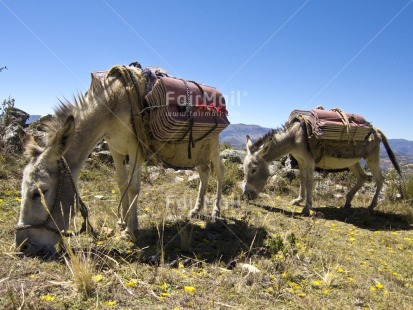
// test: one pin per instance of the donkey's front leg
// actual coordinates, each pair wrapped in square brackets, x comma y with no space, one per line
[203,171]
[122,179]
[131,212]
[301,194]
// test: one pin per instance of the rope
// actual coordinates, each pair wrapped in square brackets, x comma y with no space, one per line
[137,105]
[344,119]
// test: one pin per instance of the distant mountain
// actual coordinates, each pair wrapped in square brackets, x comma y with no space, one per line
[33,118]
[235,134]
[402,146]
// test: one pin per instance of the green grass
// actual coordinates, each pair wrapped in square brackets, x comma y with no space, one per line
[338,259]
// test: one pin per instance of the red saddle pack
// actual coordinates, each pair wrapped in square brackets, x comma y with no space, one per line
[334,124]
[184,110]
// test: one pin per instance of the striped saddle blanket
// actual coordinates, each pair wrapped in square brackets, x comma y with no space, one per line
[185,111]
[334,124]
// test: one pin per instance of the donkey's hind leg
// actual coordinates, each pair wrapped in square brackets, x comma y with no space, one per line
[361,179]
[203,171]
[374,164]
[219,173]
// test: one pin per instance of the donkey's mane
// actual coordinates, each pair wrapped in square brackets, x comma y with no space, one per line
[267,137]
[65,108]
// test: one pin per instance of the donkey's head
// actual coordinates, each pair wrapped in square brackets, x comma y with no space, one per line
[256,170]
[47,194]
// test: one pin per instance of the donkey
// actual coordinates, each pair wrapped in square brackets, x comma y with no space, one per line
[49,184]
[292,139]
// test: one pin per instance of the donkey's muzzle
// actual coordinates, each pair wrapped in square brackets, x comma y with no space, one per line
[250,195]
[32,248]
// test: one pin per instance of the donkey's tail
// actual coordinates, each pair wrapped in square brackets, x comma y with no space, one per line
[390,153]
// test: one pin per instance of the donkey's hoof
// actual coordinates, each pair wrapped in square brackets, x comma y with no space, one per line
[306,212]
[128,236]
[371,208]
[192,214]
[121,224]
[215,215]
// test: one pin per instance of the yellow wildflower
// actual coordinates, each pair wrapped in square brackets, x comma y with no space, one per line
[132,283]
[48,297]
[317,283]
[110,303]
[113,191]
[97,278]
[189,289]
[18,199]
[340,270]
[165,294]
[301,294]
[379,286]
[164,286]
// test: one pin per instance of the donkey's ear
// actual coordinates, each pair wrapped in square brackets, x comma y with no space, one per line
[96,83]
[265,148]
[63,138]
[249,144]
[31,149]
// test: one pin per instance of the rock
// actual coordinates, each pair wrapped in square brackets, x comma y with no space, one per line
[102,146]
[13,136]
[14,115]
[194,177]
[249,268]
[234,156]
[107,232]
[104,156]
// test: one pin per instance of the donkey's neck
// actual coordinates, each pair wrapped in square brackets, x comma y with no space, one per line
[89,131]
[281,144]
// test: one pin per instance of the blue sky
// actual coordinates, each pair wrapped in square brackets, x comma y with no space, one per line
[267,57]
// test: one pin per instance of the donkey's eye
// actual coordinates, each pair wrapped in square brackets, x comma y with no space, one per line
[37,195]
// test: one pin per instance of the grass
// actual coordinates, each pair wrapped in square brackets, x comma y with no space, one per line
[265,256]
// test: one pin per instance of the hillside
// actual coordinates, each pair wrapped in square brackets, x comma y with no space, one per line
[235,134]
[260,255]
